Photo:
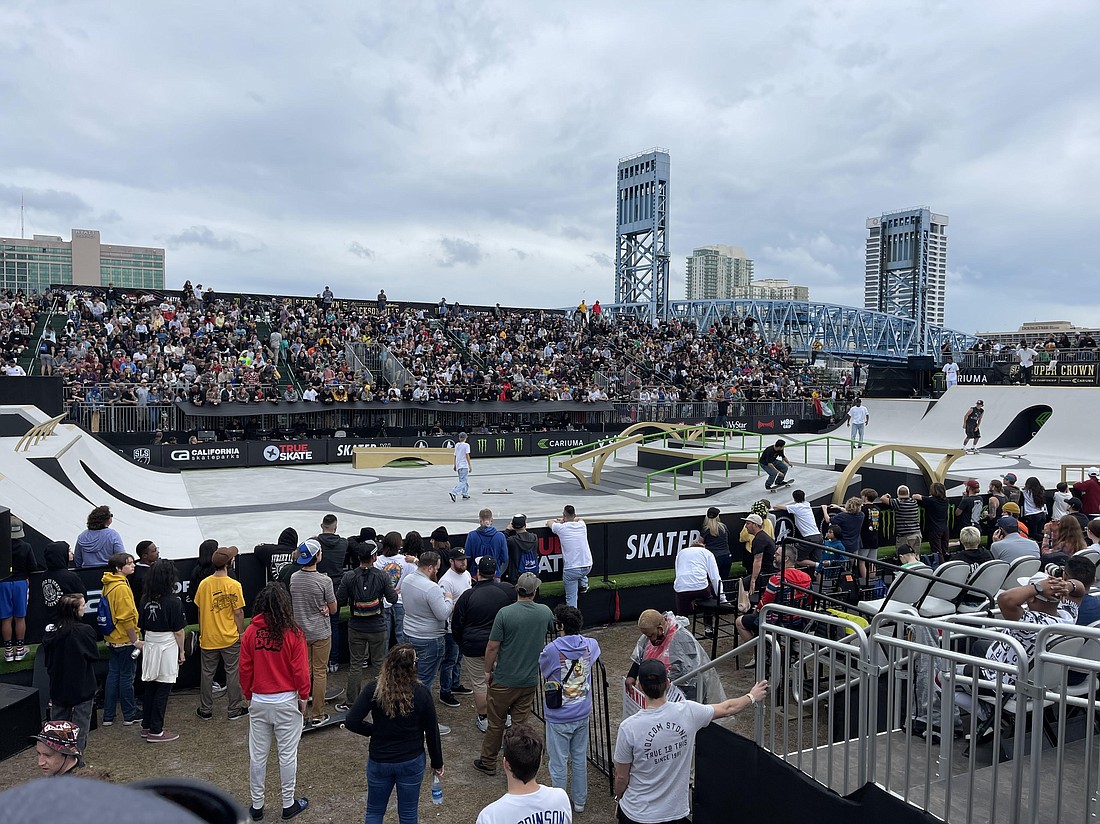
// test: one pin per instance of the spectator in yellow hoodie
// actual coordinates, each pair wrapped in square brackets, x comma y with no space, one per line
[121,641]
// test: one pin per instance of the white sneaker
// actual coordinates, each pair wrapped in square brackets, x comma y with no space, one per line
[482,724]
[217,689]
[578,808]
[508,722]
[443,730]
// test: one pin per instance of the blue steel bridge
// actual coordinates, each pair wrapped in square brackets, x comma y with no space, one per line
[845,331]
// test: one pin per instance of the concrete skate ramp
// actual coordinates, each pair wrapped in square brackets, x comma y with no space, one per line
[55,483]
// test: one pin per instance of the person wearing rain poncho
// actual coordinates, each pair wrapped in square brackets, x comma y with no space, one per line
[667,638]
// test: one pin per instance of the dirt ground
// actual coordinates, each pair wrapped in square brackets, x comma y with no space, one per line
[331,762]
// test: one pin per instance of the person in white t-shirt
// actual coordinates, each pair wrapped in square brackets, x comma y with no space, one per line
[576,555]
[454,581]
[526,799]
[951,373]
[463,465]
[1026,356]
[858,416]
[653,749]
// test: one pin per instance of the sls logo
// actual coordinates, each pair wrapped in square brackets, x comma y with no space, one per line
[449,444]
[786,423]
[143,456]
[421,444]
[271,453]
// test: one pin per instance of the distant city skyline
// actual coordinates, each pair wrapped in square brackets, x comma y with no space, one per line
[456,151]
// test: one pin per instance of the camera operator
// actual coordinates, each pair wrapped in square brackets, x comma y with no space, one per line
[1074,585]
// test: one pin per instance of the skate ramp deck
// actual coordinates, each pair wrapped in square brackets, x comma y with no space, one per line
[54,484]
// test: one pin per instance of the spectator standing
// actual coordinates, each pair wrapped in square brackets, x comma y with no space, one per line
[463,465]
[275,679]
[427,608]
[69,652]
[1059,506]
[96,544]
[333,559]
[968,511]
[1033,504]
[365,590]
[1011,491]
[907,518]
[472,622]
[523,549]
[936,508]
[454,582]
[147,554]
[120,641]
[655,791]
[512,665]
[14,594]
[486,540]
[314,602]
[403,719]
[58,580]
[805,525]
[220,602]
[1089,490]
[567,662]
[162,622]
[576,554]
[850,522]
[396,566]
[716,539]
[763,554]
[526,799]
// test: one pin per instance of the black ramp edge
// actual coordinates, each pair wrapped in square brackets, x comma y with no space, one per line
[1022,429]
[52,467]
[122,496]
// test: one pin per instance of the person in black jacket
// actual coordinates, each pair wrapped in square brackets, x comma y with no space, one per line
[334,553]
[59,580]
[403,714]
[523,549]
[363,589]
[70,652]
[471,623]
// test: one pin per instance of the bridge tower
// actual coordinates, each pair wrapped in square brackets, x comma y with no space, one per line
[641,232]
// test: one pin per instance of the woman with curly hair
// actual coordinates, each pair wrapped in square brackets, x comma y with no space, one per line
[403,714]
[162,622]
[274,672]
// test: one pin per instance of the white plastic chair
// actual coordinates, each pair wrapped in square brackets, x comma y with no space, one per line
[943,594]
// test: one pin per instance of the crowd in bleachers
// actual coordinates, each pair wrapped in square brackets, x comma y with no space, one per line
[115,347]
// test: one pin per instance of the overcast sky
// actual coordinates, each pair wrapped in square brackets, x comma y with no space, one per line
[468,149]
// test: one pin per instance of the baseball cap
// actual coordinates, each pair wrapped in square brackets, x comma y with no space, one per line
[652,673]
[458,554]
[1074,504]
[367,550]
[60,736]
[223,556]
[973,484]
[1093,470]
[486,567]
[17,528]
[1010,477]
[713,512]
[980,403]
[1008,524]
[528,584]
[754,519]
[307,551]
[519,521]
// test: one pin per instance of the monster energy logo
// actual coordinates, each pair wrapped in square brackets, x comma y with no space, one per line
[1041,419]
[886,522]
[482,444]
[501,444]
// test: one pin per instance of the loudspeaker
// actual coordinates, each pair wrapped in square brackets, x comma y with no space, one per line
[5,542]
[18,718]
[921,363]
[207,435]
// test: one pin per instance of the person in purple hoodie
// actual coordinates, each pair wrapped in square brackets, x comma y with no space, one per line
[566,665]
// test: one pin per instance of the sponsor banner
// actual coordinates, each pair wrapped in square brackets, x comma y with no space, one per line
[547,443]
[142,455]
[203,456]
[340,449]
[740,424]
[277,453]
[641,546]
[1060,374]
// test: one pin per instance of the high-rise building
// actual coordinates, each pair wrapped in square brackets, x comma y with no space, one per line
[32,265]
[906,268]
[717,272]
[772,289]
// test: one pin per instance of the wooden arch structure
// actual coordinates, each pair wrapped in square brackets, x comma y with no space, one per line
[917,454]
[631,435]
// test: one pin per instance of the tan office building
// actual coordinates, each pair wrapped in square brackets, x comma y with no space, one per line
[33,265]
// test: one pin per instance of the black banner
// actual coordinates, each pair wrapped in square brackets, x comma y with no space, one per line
[769,424]
[275,453]
[1059,373]
[202,456]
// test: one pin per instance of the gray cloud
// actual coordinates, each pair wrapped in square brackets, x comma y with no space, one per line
[434,120]
[359,250]
[458,251]
[203,236]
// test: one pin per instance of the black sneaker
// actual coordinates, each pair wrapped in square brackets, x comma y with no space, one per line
[461,690]
[453,497]
[257,813]
[241,713]
[204,715]
[295,808]
[342,707]
[449,700]
[481,768]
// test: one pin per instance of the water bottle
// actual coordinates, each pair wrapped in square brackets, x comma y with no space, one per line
[437,790]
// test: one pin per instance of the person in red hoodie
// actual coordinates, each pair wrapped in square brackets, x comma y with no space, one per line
[274,673]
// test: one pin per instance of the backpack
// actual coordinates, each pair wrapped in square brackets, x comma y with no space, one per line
[366,601]
[103,617]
